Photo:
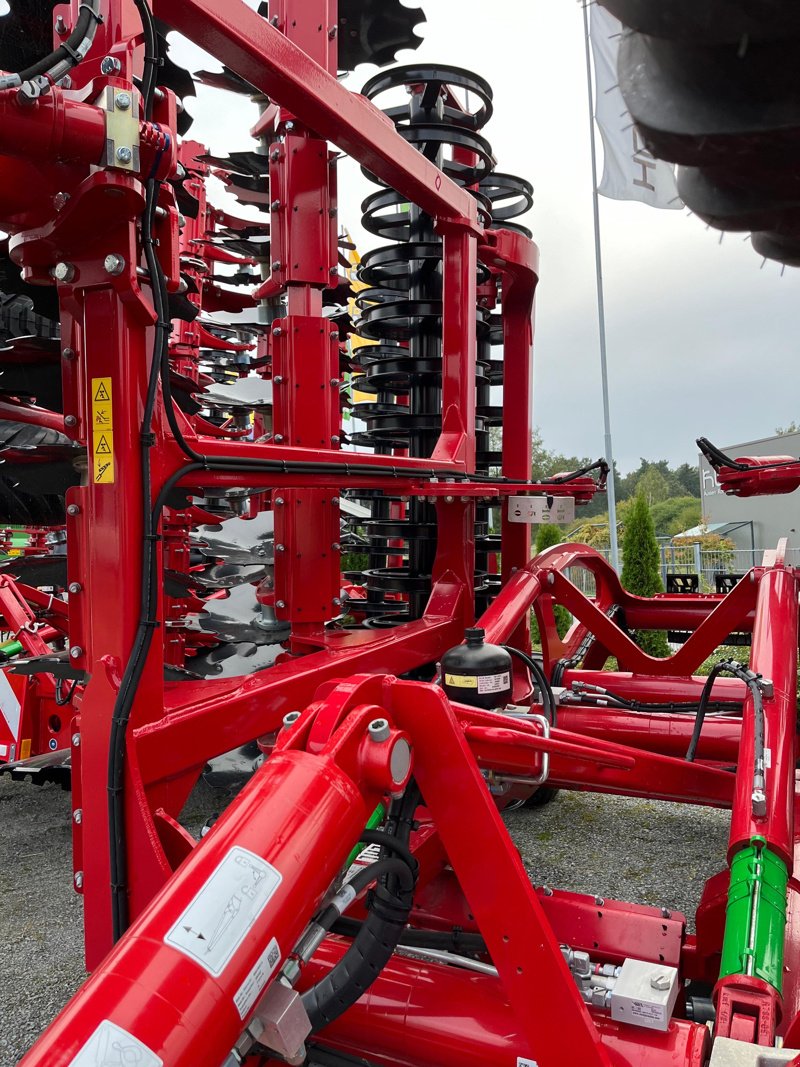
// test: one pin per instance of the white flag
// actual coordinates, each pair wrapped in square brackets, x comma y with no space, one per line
[630,172]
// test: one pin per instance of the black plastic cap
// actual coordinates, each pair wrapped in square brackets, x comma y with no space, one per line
[474,633]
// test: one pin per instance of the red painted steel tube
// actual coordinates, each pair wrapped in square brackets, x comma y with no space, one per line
[773,655]
[261,54]
[256,877]
[656,688]
[53,128]
[667,734]
[438,1016]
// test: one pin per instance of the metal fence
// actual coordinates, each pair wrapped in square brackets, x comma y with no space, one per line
[692,559]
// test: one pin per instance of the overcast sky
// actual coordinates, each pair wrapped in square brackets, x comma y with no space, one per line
[700,339]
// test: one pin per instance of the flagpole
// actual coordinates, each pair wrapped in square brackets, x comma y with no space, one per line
[601,314]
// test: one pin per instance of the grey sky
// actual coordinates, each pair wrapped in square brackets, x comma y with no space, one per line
[700,339]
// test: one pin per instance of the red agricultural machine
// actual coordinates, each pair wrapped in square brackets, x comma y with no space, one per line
[216,417]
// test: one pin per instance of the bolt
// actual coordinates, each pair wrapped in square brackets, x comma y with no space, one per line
[378,730]
[276,264]
[280,548]
[275,206]
[666,913]
[275,155]
[290,125]
[278,379]
[280,603]
[122,101]
[278,438]
[75,652]
[290,718]
[335,439]
[60,200]
[277,331]
[68,353]
[73,509]
[599,902]
[76,740]
[77,815]
[110,65]
[70,420]
[337,603]
[124,154]
[114,264]
[61,26]
[63,272]
[334,381]
[79,879]
[334,500]
[278,500]
[334,335]
[449,499]
[332,32]
[333,270]
[74,587]
[336,546]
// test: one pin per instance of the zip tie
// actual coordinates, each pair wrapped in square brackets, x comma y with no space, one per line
[74,55]
[98,18]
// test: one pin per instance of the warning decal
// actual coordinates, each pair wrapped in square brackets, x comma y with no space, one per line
[110,1044]
[102,432]
[461,681]
[218,919]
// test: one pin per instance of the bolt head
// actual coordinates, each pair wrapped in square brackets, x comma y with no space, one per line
[75,652]
[277,331]
[290,718]
[276,264]
[280,548]
[63,272]
[123,101]
[110,65]
[378,730]
[333,270]
[274,155]
[290,125]
[68,353]
[114,264]
[70,420]
[60,200]
[124,154]
[278,499]
[335,439]
[280,603]
[76,740]
[334,500]
[79,879]
[74,587]
[73,509]
[77,815]
[278,438]
[275,205]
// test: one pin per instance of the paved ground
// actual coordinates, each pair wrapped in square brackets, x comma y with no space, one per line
[617,847]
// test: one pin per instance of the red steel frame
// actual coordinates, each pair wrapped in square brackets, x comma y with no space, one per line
[320,765]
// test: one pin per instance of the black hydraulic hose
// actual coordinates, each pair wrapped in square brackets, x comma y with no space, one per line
[716,670]
[366,875]
[717,458]
[68,54]
[548,699]
[461,942]
[380,933]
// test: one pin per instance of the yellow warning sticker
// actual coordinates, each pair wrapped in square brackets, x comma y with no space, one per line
[461,681]
[102,432]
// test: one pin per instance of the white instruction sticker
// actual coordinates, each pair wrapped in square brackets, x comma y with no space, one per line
[494,683]
[643,1010]
[251,988]
[217,921]
[523,1061]
[110,1044]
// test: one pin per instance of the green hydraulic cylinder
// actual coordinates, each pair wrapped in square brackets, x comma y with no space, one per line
[11,648]
[756,915]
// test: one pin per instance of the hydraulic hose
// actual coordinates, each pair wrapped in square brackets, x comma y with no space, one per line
[548,698]
[379,934]
[68,55]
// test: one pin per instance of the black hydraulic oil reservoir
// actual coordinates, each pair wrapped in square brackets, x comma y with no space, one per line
[476,673]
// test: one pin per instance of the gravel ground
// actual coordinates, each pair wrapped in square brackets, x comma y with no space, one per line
[617,847]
